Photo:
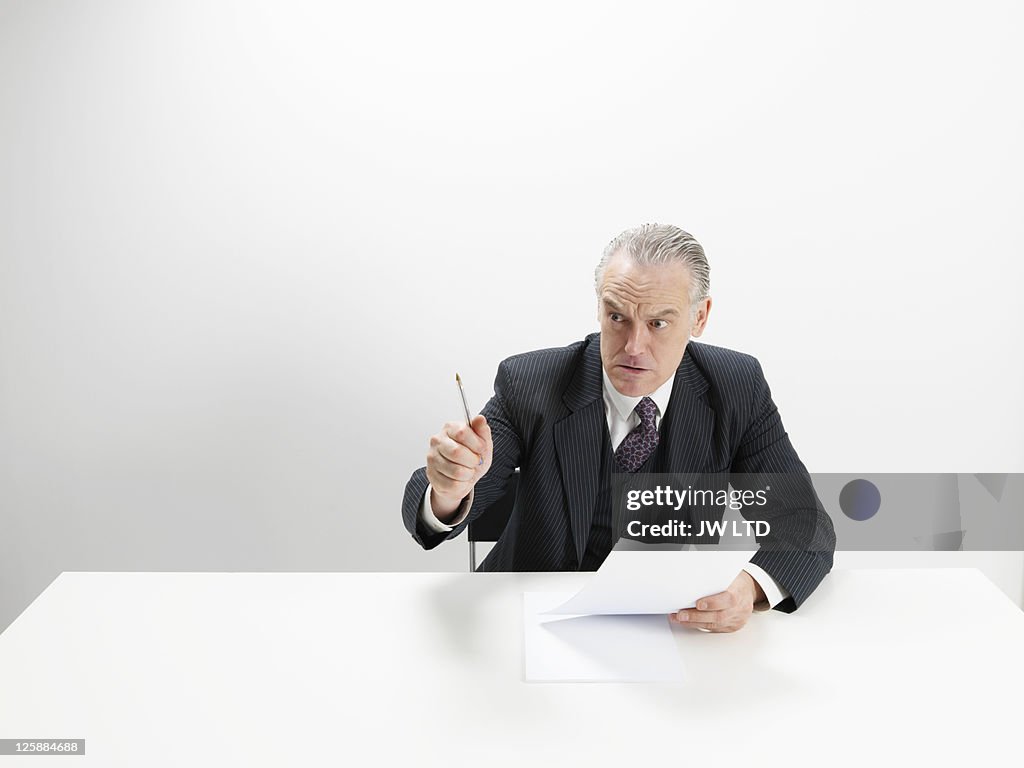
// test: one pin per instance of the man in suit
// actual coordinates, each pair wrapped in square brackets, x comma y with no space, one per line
[637,397]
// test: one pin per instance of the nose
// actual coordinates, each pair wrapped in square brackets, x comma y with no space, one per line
[636,341]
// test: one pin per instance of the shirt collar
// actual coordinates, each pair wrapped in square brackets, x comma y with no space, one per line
[624,405]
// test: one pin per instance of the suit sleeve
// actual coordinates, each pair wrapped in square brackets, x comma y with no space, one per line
[501,418]
[798,551]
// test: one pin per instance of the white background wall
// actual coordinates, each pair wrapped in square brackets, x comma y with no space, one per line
[245,246]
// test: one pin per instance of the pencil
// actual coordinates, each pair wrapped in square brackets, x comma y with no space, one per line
[465,405]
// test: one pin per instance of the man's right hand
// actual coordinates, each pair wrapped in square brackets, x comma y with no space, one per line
[459,455]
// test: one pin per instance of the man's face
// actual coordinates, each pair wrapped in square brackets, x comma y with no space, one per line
[645,322]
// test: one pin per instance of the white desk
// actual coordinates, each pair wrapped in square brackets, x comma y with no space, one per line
[426,669]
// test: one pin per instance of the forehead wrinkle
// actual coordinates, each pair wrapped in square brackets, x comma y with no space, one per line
[638,293]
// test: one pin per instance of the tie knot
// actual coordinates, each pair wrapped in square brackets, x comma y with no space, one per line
[646,409]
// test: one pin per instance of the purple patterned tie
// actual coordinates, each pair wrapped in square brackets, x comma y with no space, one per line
[641,442]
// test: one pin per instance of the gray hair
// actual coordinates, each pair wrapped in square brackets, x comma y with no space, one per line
[661,244]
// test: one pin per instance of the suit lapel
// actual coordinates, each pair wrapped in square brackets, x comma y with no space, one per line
[579,438]
[690,421]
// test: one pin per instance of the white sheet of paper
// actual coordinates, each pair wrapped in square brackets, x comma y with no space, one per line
[589,649]
[655,581]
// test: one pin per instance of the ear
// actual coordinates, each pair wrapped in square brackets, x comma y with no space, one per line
[700,320]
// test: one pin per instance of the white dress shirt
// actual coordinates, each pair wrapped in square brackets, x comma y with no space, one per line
[622,419]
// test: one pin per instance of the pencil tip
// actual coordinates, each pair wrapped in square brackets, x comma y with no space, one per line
[457,379]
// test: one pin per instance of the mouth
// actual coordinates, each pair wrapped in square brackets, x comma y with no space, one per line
[631,369]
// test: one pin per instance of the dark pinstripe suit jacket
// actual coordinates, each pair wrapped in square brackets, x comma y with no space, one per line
[547,417]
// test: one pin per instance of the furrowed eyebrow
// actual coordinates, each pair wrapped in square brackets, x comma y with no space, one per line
[611,304]
[666,312]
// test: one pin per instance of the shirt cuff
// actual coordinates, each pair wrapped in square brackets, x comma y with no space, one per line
[773,591]
[429,519]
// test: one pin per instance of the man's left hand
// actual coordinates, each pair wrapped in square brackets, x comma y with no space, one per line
[723,612]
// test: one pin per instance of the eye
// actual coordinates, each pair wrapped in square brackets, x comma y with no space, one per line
[659,324]
[615,317]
